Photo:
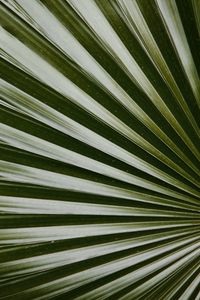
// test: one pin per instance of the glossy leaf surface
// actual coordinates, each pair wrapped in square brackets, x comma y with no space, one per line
[100,149]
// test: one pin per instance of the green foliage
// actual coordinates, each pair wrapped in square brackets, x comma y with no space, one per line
[99,149]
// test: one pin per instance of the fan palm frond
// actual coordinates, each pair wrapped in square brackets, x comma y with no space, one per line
[100,149]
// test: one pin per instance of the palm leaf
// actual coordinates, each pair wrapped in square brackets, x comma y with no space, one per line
[99,138]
